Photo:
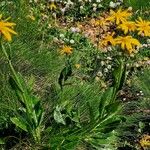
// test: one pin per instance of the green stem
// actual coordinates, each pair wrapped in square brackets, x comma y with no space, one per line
[11,66]
[15,77]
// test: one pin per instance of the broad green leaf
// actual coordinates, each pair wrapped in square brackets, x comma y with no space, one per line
[58,116]
[65,74]
[111,108]
[119,74]
[31,82]
[105,100]
[14,85]
[20,123]
[2,141]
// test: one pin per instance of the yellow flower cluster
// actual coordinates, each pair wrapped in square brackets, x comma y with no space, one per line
[145,141]
[120,18]
[52,6]
[6,29]
[143,27]
[66,50]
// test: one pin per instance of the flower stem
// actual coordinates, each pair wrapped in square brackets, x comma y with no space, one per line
[11,66]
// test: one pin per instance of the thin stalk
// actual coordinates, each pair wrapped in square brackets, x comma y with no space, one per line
[11,66]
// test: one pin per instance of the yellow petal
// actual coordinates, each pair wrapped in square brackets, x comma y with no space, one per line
[10,30]
[7,35]
[123,46]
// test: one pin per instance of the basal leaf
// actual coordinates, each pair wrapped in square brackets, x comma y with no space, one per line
[58,116]
[65,74]
[20,123]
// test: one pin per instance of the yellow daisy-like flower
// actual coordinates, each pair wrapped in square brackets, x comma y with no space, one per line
[128,43]
[101,22]
[52,6]
[6,29]
[119,16]
[143,27]
[145,141]
[66,50]
[127,26]
[108,40]
[77,66]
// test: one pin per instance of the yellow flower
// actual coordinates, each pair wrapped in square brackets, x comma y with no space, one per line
[108,40]
[77,66]
[143,27]
[145,141]
[66,50]
[128,43]
[127,26]
[52,6]
[5,29]
[101,22]
[119,16]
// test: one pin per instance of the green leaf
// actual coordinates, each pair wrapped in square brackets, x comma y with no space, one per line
[20,123]
[14,84]
[112,108]
[58,116]
[123,77]
[119,74]
[65,74]
[31,82]
[48,130]
[70,145]
[2,141]
[105,100]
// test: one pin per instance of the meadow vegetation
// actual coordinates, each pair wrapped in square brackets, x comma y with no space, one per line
[74,75]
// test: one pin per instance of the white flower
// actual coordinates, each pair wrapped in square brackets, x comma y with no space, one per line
[70,2]
[73,29]
[118,4]
[130,8]
[61,35]
[97,78]
[144,45]
[124,99]
[109,58]
[102,63]
[148,41]
[72,41]
[54,15]
[81,7]
[99,74]
[55,39]
[112,4]
[65,39]
[106,70]
[94,5]
[109,67]
[63,9]
[94,9]
[100,5]
[98,1]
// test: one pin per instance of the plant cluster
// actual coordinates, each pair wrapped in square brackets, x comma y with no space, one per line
[75,84]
